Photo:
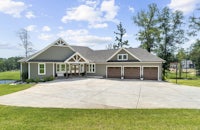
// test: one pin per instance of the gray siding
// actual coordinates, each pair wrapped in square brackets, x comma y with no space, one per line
[130,58]
[24,67]
[55,53]
[34,70]
[100,70]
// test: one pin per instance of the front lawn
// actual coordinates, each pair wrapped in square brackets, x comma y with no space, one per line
[7,89]
[13,75]
[93,119]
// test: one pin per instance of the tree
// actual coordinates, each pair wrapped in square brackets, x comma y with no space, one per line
[149,34]
[25,43]
[180,56]
[195,55]
[172,34]
[119,37]
[194,25]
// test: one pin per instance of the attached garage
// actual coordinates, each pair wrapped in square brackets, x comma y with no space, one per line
[150,73]
[132,72]
[114,72]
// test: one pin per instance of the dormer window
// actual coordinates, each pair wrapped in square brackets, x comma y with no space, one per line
[122,57]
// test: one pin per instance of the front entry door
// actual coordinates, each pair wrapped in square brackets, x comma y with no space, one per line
[60,69]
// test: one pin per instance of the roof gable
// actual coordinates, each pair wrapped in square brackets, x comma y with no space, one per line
[59,42]
[76,58]
[120,50]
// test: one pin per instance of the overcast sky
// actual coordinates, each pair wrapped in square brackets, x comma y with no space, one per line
[79,22]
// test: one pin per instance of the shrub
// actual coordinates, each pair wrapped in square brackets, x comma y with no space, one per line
[37,80]
[24,76]
[28,81]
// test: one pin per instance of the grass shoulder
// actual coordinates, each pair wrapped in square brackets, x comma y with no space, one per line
[7,89]
[53,118]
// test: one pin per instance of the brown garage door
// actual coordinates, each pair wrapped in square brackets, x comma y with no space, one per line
[150,73]
[132,72]
[114,72]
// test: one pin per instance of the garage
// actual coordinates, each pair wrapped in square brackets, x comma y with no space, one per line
[132,72]
[114,72]
[150,73]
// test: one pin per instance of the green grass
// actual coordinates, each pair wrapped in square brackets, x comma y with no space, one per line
[7,89]
[94,119]
[191,80]
[14,75]
[195,82]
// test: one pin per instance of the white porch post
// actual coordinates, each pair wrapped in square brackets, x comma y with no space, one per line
[29,70]
[53,70]
[20,70]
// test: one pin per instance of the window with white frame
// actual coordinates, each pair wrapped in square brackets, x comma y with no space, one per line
[122,57]
[81,68]
[91,68]
[60,68]
[41,69]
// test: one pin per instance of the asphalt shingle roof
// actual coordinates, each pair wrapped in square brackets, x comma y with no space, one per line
[101,56]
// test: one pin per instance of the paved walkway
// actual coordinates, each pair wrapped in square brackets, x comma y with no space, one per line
[105,93]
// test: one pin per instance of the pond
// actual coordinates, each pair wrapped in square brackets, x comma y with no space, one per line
[6,81]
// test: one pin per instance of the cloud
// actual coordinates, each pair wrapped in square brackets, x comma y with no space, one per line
[46,29]
[60,28]
[31,28]
[30,15]
[186,6]
[12,7]
[45,37]
[110,10]
[91,13]
[131,9]
[82,37]
[8,46]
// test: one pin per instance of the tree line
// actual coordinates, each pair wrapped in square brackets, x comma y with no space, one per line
[162,32]
[7,64]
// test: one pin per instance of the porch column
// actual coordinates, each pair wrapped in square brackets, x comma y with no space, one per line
[79,69]
[29,70]
[53,70]
[20,70]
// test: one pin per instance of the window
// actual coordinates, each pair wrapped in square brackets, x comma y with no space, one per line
[82,68]
[122,57]
[41,69]
[91,68]
[60,68]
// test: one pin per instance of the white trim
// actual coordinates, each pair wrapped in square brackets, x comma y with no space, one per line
[124,63]
[122,55]
[52,44]
[151,66]
[113,66]
[76,53]
[20,70]
[39,68]
[29,70]
[124,50]
[53,69]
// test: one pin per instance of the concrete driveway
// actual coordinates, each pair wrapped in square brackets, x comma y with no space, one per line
[105,93]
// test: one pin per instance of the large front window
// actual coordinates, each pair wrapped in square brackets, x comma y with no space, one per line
[41,69]
[91,68]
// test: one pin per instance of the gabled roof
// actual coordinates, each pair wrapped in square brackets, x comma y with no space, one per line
[125,51]
[100,56]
